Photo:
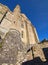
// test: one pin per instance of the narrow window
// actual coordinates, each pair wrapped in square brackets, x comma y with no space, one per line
[0,37]
[22,34]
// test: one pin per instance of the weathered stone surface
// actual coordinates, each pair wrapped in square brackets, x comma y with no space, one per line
[38,52]
[12,49]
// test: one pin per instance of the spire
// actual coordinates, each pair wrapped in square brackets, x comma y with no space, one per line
[17,9]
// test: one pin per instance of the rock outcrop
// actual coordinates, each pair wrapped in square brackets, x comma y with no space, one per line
[13,51]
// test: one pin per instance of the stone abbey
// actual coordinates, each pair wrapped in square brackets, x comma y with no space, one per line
[19,21]
[19,41]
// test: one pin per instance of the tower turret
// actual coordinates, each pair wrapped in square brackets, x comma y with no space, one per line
[17,9]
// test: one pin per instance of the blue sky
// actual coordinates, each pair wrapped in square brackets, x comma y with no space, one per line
[36,11]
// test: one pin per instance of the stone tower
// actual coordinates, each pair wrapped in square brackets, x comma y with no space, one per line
[19,21]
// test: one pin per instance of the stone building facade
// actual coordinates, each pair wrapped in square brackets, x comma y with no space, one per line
[17,32]
[19,21]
